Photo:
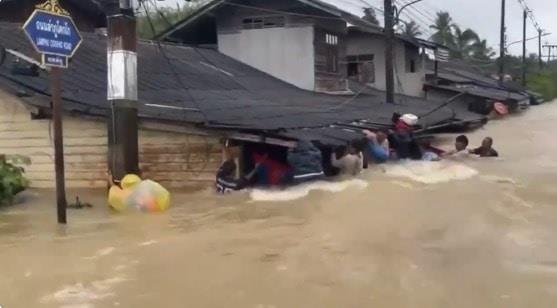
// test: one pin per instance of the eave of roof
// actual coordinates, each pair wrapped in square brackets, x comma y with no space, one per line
[330,9]
[485,92]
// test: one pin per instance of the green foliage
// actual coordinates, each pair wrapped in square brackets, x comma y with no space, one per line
[12,180]
[464,44]
[443,29]
[411,29]
[161,18]
[545,83]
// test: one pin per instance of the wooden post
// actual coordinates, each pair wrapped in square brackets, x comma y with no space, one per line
[389,38]
[524,48]
[122,91]
[502,44]
[56,89]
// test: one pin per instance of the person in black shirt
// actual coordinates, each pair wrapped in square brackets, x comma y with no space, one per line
[227,182]
[486,150]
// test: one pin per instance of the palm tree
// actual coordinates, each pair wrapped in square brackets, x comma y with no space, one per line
[481,51]
[411,29]
[443,29]
[463,42]
[369,15]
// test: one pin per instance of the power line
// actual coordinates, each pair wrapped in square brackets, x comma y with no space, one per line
[530,14]
[418,20]
[172,69]
[415,9]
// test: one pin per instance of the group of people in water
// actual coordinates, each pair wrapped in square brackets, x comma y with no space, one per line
[307,162]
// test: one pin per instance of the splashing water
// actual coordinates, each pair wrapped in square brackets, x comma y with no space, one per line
[430,172]
[303,190]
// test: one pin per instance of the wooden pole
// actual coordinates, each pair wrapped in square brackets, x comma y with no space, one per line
[525,17]
[502,44]
[389,38]
[56,88]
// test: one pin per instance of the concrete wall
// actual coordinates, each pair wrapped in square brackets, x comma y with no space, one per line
[285,53]
[176,160]
[410,83]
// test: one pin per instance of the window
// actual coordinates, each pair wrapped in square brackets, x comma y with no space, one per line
[412,66]
[353,69]
[413,59]
[274,21]
[331,39]
[331,44]
[361,68]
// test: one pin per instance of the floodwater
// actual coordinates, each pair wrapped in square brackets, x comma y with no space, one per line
[464,233]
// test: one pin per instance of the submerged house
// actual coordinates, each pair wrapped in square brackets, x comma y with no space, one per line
[307,43]
[473,89]
[190,98]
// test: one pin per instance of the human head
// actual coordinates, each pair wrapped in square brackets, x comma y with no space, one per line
[352,148]
[396,116]
[381,136]
[230,150]
[487,143]
[228,168]
[461,143]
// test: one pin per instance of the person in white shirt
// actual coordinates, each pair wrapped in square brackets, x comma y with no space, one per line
[350,164]
[461,143]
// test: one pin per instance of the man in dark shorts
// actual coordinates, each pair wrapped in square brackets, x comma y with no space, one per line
[486,150]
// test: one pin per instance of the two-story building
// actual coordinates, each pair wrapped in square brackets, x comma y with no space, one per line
[308,43]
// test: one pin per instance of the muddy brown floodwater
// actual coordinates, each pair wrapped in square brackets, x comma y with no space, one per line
[463,233]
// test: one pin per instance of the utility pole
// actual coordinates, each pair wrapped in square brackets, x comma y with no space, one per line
[540,60]
[524,48]
[122,90]
[389,38]
[549,48]
[502,44]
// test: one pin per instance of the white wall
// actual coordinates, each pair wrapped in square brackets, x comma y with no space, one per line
[285,53]
[412,83]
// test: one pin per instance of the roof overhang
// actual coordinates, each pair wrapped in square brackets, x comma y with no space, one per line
[317,4]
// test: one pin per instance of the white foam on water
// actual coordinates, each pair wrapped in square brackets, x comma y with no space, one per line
[499,179]
[302,190]
[81,295]
[101,253]
[430,172]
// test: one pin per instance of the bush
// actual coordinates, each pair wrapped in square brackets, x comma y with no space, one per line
[12,180]
[545,83]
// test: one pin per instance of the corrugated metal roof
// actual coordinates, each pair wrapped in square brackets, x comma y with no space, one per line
[205,87]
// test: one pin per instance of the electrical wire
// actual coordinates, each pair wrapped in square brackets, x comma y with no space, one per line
[173,70]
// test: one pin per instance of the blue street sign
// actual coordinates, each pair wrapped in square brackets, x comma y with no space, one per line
[52,33]
[55,60]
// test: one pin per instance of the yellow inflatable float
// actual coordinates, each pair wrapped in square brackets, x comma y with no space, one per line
[143,195]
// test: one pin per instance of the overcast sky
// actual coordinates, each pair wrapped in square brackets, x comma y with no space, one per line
[483,16]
